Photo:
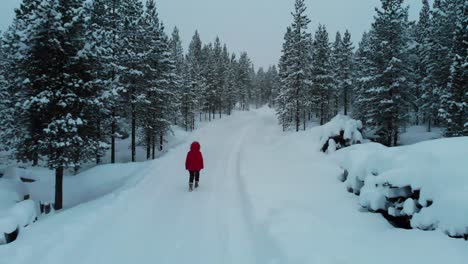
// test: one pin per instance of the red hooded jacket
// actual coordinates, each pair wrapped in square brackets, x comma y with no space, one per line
[194,161]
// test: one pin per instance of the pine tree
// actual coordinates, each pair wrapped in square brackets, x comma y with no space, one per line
[6,120]
[102,51]
[58,95]
[231,85]
[283,100]
[454,103]
[195,76]
[177,56]
[273,84]
[244,78]
[132,41]
[419,67]
[387,93]
[22,74]
[337,50]
[294,70]
[437,59]
[323,84]
[346,67]
[364,72]
[158,106]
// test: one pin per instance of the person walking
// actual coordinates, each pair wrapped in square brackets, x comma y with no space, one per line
[194,164]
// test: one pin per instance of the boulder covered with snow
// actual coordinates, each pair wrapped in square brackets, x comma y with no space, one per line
[422,186]
[342,131]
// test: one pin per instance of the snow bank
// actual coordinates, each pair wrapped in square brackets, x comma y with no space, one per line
[341,131]
[425,184]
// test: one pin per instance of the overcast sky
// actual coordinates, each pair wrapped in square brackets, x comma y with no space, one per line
[255,26]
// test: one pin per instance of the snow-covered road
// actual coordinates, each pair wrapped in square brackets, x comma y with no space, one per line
[265,197]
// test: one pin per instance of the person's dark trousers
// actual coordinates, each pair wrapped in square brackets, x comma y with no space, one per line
[194,175]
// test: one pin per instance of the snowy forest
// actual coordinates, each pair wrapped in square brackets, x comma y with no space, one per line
[124,140]
[75,74]
[401,73]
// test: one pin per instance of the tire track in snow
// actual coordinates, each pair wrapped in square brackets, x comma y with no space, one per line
[265,249]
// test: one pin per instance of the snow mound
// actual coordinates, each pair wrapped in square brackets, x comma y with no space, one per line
[422,186]
[14,213]
[342,131]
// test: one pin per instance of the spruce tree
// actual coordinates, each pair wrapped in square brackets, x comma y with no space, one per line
[62,99]
[323,84]
[195,76]
[177,56]
[294,73]
[387,93]
[454,102]
[419,67]
[132,41]
[244,78]
[346,68]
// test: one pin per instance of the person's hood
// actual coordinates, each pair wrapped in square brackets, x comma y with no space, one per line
[195,146]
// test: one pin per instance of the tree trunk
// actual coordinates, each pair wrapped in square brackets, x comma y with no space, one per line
[98,155]
[346,100]
[161,142]
[35,159]
[58,188]
[395,137]
[321,114]
[133,126]
[186,119]
[113,131]
[153,144]
[429,124]
[148,147]
[304,121]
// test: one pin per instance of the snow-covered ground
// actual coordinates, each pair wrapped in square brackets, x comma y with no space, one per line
[265,197]
[415,134]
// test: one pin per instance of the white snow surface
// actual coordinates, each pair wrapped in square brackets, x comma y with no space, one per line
[265,197]
[438,168]
[416,134]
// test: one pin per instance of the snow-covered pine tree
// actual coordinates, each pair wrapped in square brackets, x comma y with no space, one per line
[295,69]
[420,37]
[21,73]
[195,75]
[177,56]
[323,89]
[208,95]
[225,89]
[346,67]
[132,38]
[231,85]
[387,94]
[273,83]
[244,79]
[219,78]
[63,96]
[437,58]
[364,73]
[337,47]
[102,51]
[283,101]
[454,102]
[158,106]
[260,88]
[6,117]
